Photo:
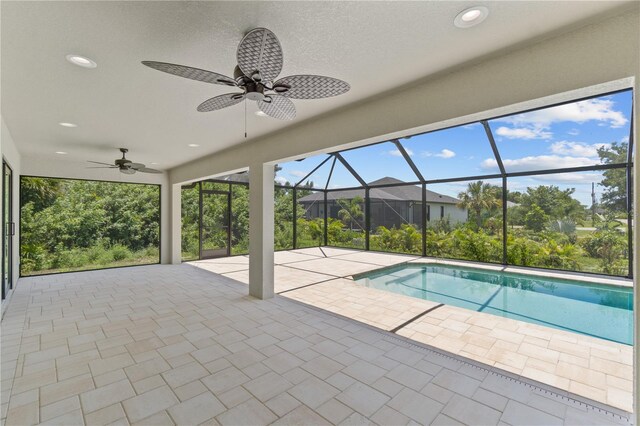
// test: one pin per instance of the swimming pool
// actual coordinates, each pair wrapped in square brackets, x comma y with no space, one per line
[595,310]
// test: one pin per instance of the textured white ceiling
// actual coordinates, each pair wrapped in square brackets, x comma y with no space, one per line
[375,46]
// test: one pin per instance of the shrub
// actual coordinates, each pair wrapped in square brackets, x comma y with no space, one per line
[610,247]
[120,252]
[407,239]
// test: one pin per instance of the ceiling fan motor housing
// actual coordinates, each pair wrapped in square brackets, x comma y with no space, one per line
[254,91]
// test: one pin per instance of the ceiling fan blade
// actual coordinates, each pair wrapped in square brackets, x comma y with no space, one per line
[148,170]
[98,162]
[279,107]
[127,171]
[222,101]
[191,73]
[102,167]
[311,86]
[135,166]
[260,52]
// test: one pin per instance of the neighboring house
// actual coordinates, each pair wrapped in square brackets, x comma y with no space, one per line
[390,207]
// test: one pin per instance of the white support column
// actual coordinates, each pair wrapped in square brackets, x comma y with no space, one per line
[636,258]
[175,217]
[261,231]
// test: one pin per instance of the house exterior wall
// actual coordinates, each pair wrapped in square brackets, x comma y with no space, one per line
[453,213]
[391,214]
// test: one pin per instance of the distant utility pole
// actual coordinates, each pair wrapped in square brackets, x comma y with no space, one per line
[593,204]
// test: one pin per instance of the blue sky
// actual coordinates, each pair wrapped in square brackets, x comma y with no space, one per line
[563,136]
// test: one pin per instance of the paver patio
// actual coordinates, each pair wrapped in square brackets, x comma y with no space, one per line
[175,344]
[593,368]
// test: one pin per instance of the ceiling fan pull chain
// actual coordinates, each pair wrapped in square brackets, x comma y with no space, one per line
[245,118]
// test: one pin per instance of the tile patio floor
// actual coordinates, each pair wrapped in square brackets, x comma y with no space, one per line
[169,344]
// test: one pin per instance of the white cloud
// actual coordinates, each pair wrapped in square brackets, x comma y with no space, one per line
[540,162]
[573,132]
[534,132]
[298,173]
[280,180]
[471,126]
[571,178]
[625,139]
[397,153]
[601,110]
[445,153]
[577,149]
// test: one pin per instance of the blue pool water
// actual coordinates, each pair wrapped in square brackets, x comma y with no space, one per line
[596,310]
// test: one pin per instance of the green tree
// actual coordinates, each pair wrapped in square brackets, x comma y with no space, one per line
[556,203]
[478,198]
[350,211]
[614,196]
[42,192]
[536,218]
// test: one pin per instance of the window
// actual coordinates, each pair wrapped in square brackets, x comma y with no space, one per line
[72,225]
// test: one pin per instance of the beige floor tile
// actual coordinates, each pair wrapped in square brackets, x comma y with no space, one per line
[302,416]
[105,396]
[250,412]
[468,411]
[105,415]
[197,409]
[59,408]
[147,404]
[64,389]
[184,374]
[362,398]
[416,406]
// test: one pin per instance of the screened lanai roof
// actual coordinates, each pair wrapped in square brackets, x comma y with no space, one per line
[394,193]
[585,135]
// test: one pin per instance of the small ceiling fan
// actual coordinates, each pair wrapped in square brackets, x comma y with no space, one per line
[125,166]
[260,60]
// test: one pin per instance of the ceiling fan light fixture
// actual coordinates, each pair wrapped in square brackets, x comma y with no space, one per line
[471,17]
[81,61]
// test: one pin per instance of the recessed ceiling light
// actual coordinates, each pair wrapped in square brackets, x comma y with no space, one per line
[68,124]
[261,114]
[471,17]
[193,145]
[61,152]
[81,61]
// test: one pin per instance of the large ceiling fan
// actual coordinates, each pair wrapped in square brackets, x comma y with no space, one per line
[260,59]
[125,166]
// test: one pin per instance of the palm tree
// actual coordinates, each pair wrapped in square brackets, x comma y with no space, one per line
[480,196]
[350,211]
